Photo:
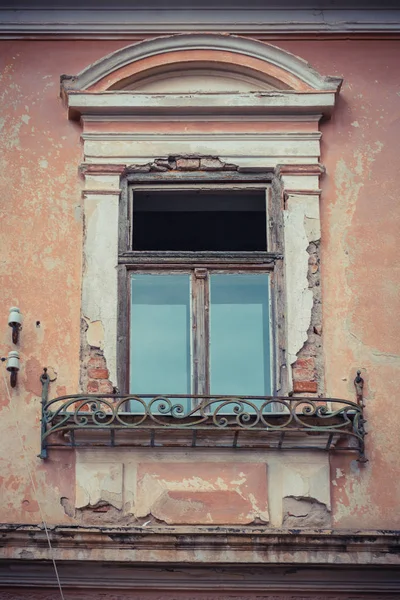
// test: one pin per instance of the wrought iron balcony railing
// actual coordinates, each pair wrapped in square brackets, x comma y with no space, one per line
[272,422]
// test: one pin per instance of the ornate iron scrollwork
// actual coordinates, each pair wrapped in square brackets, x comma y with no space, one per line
[244,421]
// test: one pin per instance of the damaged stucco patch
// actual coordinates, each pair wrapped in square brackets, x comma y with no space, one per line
[202,493]
[179,489]
[307,480]
[305,512]
[94,377]
[94,333]
[99,285]
[308,370]
[99,483]
[301,227]
[306,495]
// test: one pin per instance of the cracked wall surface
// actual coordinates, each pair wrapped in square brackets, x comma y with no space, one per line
[176,488]
[41,266]
[360,272]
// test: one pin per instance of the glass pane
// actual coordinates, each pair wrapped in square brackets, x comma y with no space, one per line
[240,335]
[160,338]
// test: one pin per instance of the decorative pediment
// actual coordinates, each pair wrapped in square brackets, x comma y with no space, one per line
[136,79]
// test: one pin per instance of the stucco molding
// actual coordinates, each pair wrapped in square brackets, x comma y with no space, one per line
[273,55]
[202,545]
[227,136]
[241,104]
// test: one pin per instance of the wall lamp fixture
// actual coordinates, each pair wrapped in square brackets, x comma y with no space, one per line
[15,321]
[12,366]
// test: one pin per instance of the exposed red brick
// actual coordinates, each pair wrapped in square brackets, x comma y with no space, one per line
[106,387]
[98,362]
[98,373]
[93,387]
[300,387]
[308,362]
[304,369]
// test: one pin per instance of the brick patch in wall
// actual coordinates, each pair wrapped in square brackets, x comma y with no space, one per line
[94,372]
[307,371]
[303,387]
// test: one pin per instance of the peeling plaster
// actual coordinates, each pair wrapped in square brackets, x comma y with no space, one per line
[97,483]
[307,481]
[99,285]
[161,484]
[95,333]
[172,497]
[365,498]
[305,512]
[301,226]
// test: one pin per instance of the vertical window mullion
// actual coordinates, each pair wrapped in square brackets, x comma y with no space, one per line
[200,331]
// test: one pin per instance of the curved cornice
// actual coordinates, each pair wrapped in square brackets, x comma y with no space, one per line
[229,43]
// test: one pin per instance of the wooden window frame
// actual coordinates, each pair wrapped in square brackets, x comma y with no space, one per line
[270,261]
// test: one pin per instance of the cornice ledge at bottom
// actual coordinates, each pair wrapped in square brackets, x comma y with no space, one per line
[202,545]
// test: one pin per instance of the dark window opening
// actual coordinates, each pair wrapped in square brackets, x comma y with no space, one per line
[191,220]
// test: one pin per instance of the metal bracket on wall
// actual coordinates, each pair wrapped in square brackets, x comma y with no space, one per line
[359,385]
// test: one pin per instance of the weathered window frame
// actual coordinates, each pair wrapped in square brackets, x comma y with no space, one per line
[270,260]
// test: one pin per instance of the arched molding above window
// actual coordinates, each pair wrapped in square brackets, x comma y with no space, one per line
[267,64]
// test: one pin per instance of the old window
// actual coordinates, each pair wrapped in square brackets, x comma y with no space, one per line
[202,331]
[197,280]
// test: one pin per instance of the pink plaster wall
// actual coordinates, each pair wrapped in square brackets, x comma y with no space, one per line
[41,262]
[360,265]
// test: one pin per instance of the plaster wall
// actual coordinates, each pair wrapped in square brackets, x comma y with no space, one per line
[41,262]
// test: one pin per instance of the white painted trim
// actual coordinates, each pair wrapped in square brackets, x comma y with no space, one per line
[301,221]
[251,103]
[287,118]
[151,147]
[197,41]
[225,137]
[114,23]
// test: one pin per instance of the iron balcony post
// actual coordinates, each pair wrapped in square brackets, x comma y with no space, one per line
[44,380]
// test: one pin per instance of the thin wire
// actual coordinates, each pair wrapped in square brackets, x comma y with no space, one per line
[34,488]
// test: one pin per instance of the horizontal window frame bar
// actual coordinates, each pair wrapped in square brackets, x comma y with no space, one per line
[205,186]
[218,178]
[132,258]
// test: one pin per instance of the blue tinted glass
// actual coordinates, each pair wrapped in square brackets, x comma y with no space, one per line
[160,338]
[240,335]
